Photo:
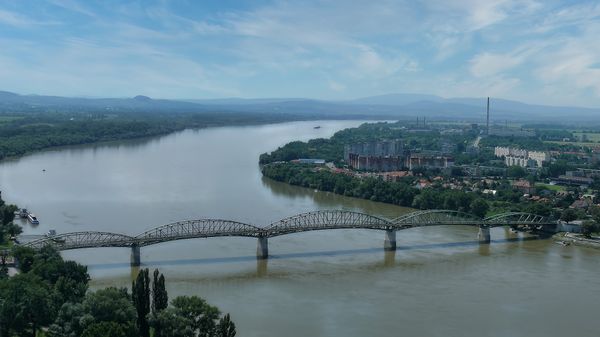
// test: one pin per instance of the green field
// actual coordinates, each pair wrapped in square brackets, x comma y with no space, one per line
[555,188]
[584,144]
[591,137]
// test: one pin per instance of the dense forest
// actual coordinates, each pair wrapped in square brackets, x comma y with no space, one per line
[50,297]
[23,133]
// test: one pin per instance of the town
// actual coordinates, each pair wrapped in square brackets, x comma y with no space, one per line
[547,170]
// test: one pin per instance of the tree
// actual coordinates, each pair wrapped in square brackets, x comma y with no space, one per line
[25,257]
[568,215]
[25,305]
[103,329]
[202,315]
[140,290]
[479,207]
[226,327]
[171,323]
[588,228]
[110,305]
[160,298]
[516,171]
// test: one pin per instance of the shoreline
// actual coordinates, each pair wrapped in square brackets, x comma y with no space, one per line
[577,240]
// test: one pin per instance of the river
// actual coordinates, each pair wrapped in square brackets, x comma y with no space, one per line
[440,282]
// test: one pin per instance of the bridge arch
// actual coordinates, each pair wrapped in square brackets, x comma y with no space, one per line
[201,228]
[515,218]
[77,240]
[436,217]
[328,219]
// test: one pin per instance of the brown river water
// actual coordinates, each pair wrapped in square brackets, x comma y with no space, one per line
[440,282]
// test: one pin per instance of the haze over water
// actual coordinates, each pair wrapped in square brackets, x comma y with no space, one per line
[317,283]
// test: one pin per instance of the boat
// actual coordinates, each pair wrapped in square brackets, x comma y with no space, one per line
[23,213]
[317,127]
[32,219]
[563,243]
[51,232]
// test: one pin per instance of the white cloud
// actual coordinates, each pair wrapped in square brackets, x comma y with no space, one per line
[21,21]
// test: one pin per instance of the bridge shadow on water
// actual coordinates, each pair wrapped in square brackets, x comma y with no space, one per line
[261,268]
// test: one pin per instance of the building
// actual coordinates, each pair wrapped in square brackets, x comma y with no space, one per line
[520,157]
[420,160]
[523,186]
[309,161]
[576,178]
[376,156]
[376,163]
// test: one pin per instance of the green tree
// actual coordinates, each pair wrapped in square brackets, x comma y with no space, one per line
[25,305]
[160,298]
[110,305]
[141,300]
[568,215]
[226,327]
[588,228]
[104,329]
[171,323]
[516,172]
[68,321]
[203,316]
[25,256]
[479,207]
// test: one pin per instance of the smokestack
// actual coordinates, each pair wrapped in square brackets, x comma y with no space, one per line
[488,117]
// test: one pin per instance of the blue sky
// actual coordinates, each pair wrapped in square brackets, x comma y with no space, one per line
[534,51]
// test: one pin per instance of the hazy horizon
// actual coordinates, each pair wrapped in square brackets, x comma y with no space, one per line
[530,51]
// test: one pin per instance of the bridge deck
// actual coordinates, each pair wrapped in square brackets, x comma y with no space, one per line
[319,220]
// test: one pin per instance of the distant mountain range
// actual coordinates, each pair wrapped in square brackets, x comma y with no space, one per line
[393,106]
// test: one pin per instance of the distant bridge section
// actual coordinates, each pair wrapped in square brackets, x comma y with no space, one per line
[311,221]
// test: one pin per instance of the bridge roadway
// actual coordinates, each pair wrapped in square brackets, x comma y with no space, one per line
[318,220]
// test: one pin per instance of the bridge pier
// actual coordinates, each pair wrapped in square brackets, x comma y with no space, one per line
[390,240]
[135,256]
[484,234]
[262,248]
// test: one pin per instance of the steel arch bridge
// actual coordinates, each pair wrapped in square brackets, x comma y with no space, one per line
[321,220]
[189,229]
[317,220]
[77,240]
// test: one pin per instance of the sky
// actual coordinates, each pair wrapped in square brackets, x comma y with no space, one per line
[534,51]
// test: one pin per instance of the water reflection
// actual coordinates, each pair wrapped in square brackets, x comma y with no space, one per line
[329,200]
[389,257]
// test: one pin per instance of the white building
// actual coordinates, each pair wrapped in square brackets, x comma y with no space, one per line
[520,157]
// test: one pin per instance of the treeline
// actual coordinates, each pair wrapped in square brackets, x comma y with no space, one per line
[25,133]
[7,227]
[51,295]
[402,193]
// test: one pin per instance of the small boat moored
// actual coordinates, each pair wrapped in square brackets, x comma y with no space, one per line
[23,213]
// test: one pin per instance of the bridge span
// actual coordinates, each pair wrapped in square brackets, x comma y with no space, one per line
[311,221]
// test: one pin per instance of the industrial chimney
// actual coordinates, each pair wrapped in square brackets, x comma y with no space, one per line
[488,117]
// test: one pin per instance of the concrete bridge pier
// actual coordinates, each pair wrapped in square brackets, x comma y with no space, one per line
[390,240]
[262,248]
[484,234]
[135,256]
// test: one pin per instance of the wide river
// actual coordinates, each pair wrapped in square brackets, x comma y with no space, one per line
[440,282]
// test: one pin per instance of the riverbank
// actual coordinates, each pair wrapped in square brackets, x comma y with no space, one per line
[578,240]
[32,133]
